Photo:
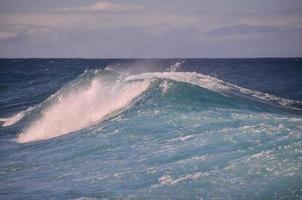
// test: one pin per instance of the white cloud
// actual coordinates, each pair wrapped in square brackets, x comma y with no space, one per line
[74,21]
[103,6]
[7,35]
[114,28]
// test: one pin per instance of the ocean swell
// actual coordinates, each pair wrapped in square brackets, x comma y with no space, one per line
[94,96]
[219,86]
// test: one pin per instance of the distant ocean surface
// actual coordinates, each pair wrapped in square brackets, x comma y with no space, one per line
[151,128]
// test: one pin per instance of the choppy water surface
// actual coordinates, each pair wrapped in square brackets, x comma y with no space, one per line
[151,129]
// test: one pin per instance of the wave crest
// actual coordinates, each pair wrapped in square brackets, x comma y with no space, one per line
[219,86]
[81,108]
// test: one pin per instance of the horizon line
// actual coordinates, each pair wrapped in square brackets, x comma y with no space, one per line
[265,57]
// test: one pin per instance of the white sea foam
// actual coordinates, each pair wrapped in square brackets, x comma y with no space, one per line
[176,66]
[168,180]
[184,138]
[214,84]
[81,108]
[9,121]
[165,87]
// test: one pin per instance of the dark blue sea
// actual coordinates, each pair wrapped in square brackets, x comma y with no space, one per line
[151,128]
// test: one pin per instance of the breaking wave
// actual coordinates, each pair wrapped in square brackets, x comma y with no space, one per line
[79,108]
[94,96]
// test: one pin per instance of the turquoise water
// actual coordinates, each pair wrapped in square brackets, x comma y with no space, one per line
[128,129]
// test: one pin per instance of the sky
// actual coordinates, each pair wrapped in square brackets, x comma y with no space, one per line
[150,28]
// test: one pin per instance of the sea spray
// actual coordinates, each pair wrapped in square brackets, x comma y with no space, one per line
[81,109]
[9,121]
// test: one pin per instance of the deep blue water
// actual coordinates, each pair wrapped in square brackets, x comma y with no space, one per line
[151,128]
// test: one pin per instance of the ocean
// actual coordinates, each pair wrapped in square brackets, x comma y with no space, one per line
[151,128]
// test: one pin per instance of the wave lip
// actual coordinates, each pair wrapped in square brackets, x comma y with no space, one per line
[81,108]
[219,86]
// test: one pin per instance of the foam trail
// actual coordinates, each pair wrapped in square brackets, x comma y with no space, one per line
[81,108]
[219,86]
[9,121]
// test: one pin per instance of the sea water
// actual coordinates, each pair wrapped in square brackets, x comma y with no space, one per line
[151,128]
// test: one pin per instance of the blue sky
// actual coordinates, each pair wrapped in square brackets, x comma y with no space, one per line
[146,29]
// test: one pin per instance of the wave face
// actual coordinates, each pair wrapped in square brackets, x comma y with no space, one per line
[151,129]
